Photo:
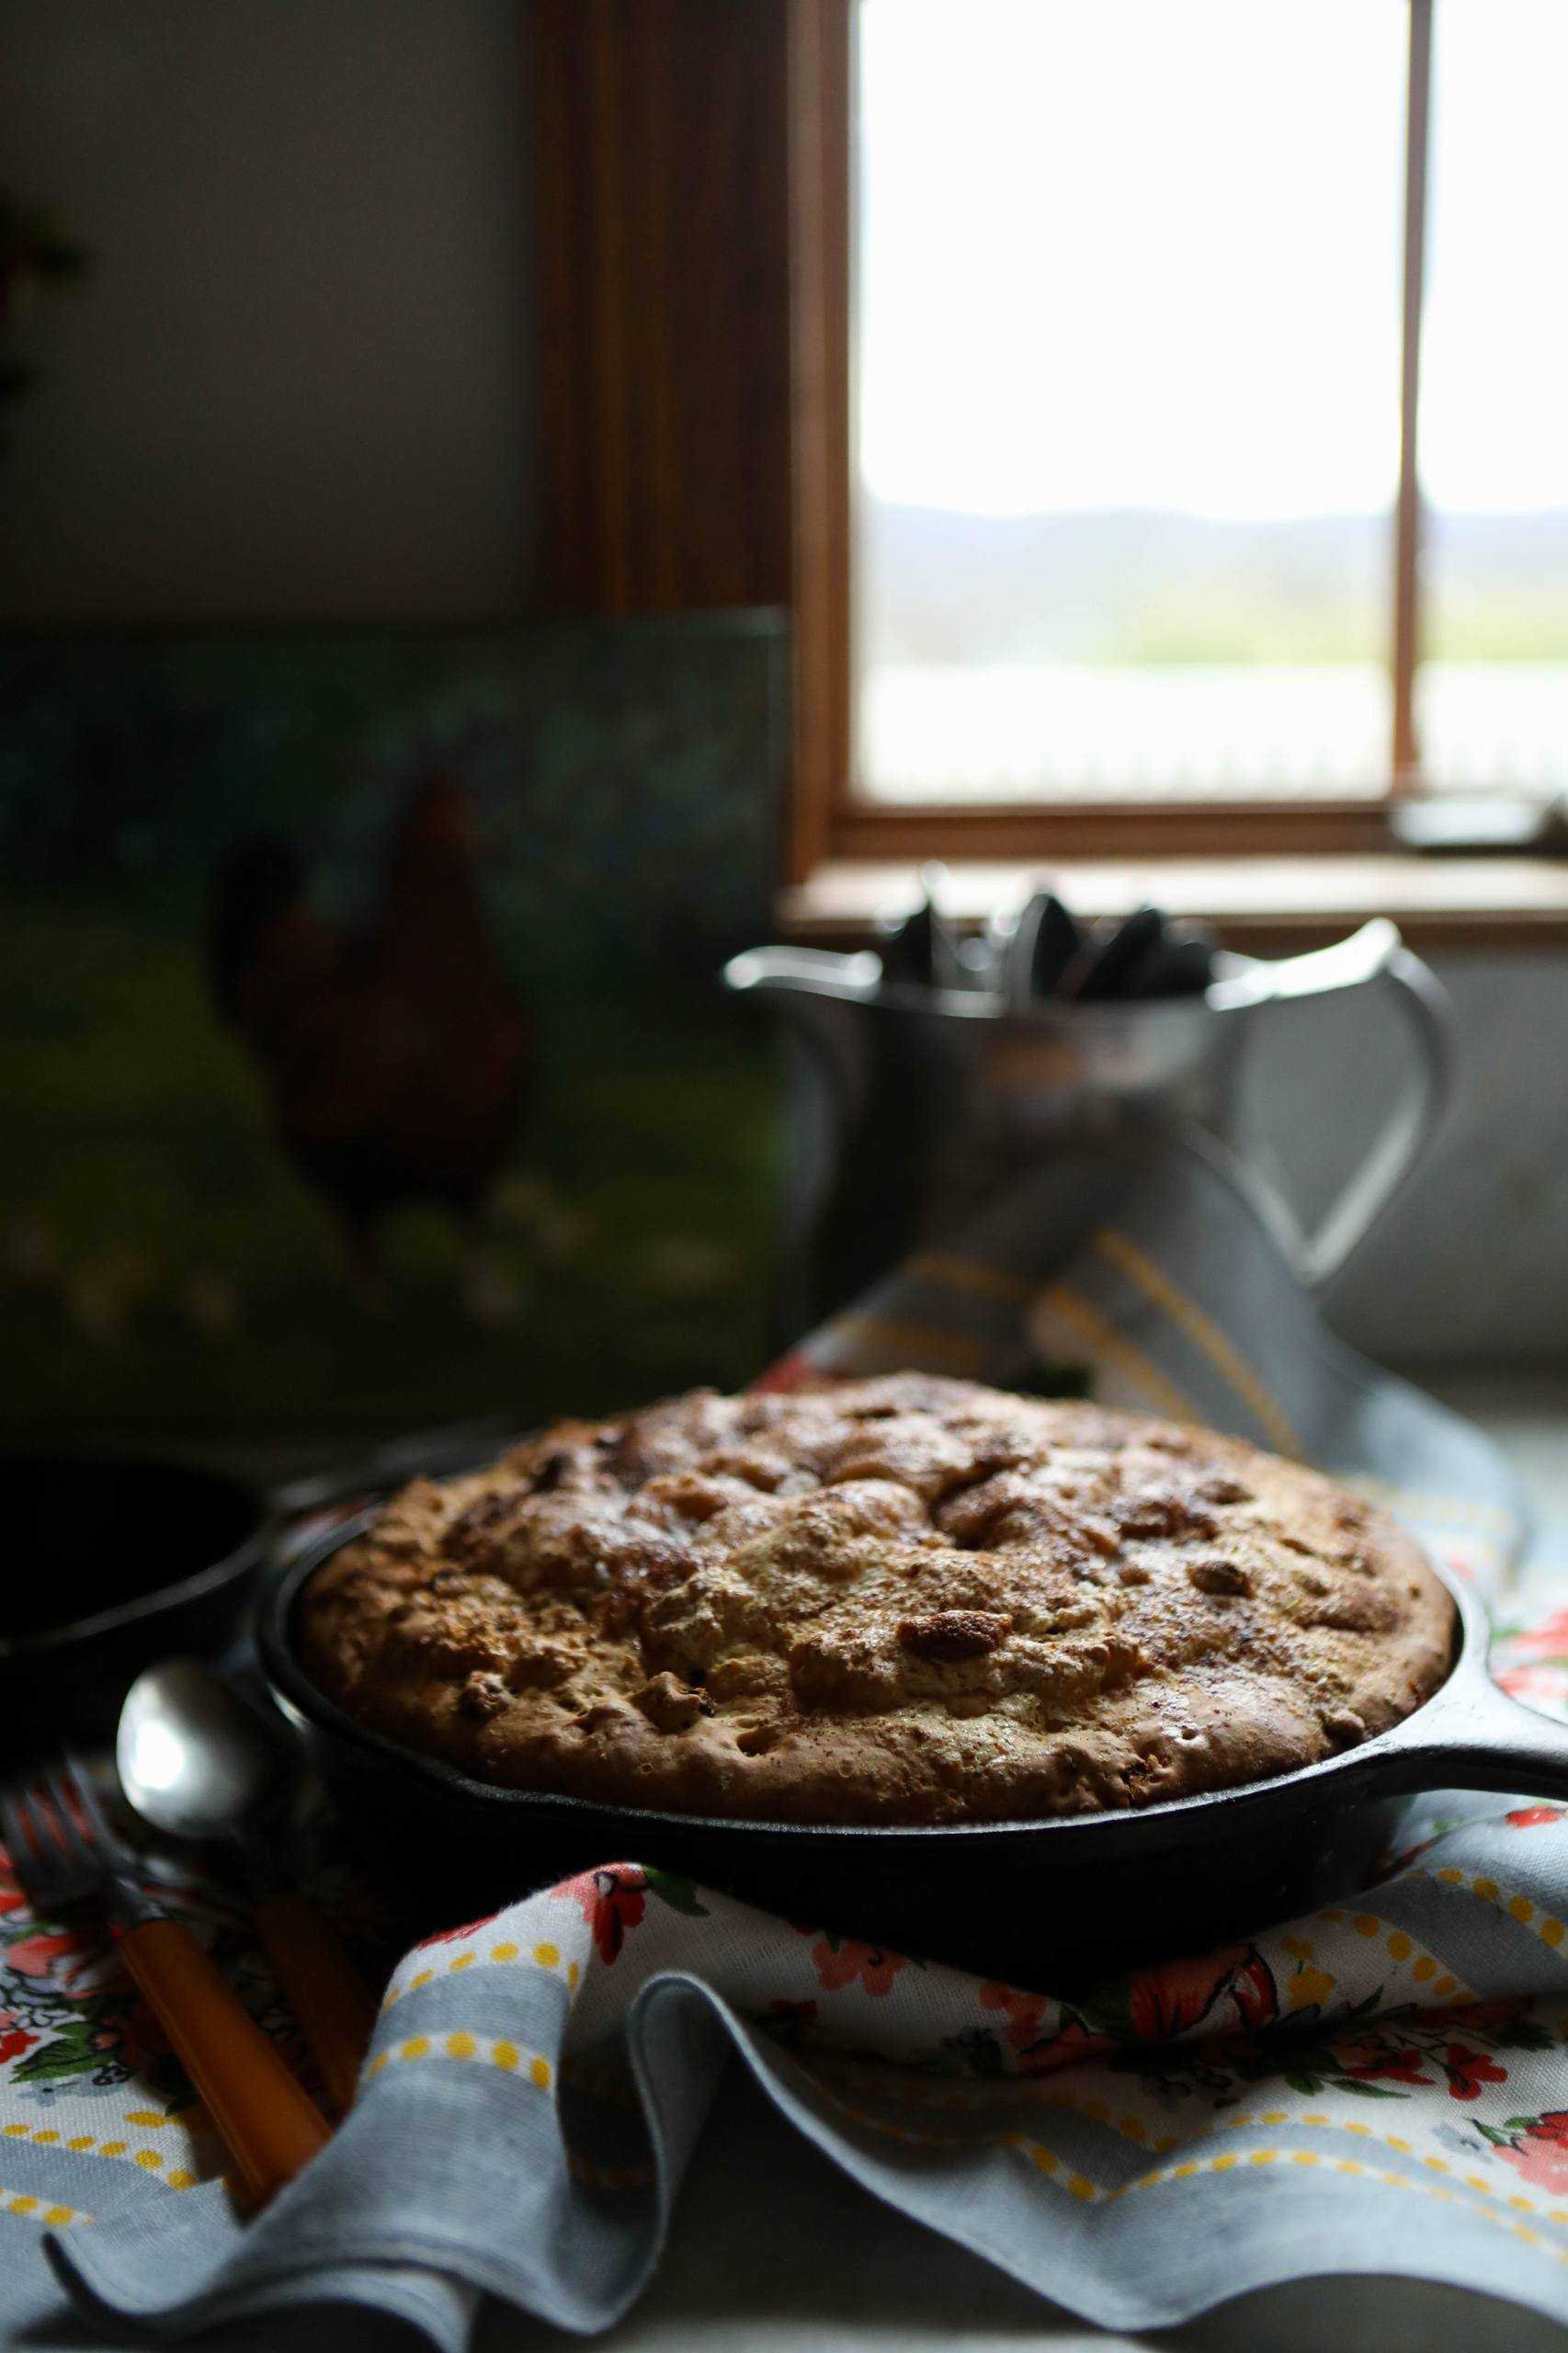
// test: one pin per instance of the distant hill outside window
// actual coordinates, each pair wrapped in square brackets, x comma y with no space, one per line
[1127,335]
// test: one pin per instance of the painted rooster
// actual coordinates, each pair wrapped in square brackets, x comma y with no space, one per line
[396,1056]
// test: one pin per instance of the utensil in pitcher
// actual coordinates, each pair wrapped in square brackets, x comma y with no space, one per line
[909,1104]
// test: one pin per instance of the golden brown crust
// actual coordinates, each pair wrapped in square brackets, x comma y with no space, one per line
[907,1599]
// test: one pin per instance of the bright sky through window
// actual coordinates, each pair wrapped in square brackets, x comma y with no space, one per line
[1205,188]
[1132,254]
[1493,435]
[1127,353]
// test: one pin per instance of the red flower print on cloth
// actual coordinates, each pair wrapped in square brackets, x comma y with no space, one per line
[1468,2070]
[1525,1817]
[1040,2046]
[49,1954]
[1220,1990]
[1371,2058]
[1486,2018]
[1025,2011]
[1550,1633]
[1541,2157]
[840,1962]
[1543,1683]
[454,1936]
[1069,2048]
[611,1900]
[14,2040]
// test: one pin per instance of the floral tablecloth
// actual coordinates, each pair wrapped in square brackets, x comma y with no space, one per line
[1380,2086]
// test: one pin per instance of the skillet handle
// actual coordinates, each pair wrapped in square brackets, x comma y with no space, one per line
[1473,1736]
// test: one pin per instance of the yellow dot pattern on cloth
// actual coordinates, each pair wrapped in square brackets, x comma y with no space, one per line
[1060,2098]
[1398,1944]
[33,2210]
[1491,2205]
[1047,2162]
[82,2143]
[542,1956]
[1551,1930]
[1050,2164]
[461,2045]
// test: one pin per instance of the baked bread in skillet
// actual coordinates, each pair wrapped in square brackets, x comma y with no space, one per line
[898,1600]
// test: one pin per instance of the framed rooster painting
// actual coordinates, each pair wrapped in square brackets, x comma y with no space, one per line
[361,1057]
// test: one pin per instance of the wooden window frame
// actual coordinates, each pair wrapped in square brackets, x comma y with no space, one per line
[830,819]
[692,178]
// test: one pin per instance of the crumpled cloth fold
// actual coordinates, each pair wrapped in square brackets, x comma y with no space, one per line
[1381,2086]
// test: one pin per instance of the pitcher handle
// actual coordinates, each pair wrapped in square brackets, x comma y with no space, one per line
[1374,956]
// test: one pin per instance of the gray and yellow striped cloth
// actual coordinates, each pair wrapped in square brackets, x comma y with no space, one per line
[1157,1284]
[1381,2087]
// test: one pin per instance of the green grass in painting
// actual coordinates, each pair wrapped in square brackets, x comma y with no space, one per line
[162,1268]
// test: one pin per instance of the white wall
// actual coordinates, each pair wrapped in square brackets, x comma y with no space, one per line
[1472,1264]
[296,380]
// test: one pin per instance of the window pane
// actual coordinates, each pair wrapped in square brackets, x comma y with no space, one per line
[1126,390]
[1492,698]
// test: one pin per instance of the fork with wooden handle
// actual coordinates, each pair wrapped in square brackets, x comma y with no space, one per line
[200,1762]
[64,1852]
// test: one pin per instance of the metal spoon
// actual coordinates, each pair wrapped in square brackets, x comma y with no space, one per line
[198,1762]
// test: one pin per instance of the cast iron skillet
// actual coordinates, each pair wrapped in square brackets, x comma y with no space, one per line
[1057,1904]
[112,1561]
[115,1559]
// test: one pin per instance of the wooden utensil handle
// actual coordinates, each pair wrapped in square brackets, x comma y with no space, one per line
[335,2007]
[268,2120]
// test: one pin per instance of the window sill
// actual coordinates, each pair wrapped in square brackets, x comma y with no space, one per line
[1261,906]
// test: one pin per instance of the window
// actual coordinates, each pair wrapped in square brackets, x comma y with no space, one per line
[1492,687]
[1127,427]
[1146,409]
[1129,304]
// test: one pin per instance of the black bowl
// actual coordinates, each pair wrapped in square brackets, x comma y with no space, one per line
[1059,1902]
[112,1561]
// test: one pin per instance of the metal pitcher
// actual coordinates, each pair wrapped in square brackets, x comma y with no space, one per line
[909,1105]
